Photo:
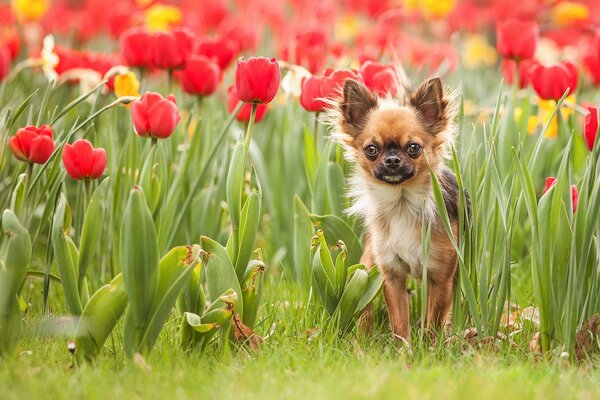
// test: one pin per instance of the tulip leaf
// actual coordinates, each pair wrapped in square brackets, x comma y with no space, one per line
[335,229]
[91,232]
[303,233]
[99,318]
[250,219]
[174,271]
[139,258]
[220,274]
[235,184]
[353,292]
[65,256]
[15,257]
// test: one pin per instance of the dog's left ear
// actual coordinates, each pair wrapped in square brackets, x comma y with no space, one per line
[431,106]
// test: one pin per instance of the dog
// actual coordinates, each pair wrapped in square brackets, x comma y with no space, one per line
[393,146]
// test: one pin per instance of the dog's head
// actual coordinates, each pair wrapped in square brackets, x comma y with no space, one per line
[389,143]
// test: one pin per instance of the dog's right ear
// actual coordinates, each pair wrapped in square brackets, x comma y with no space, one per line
[357,102]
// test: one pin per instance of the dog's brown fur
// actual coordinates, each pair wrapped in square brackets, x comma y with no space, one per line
[408,139]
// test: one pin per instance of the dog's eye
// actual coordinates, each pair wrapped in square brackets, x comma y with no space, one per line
[414,149]
[371,151]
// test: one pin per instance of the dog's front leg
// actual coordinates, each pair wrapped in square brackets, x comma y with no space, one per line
[439,302]
[396,299]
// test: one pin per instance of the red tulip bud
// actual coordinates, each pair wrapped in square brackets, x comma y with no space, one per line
[552,82]
[135,47]
[550,181]
[200,76]
[82,161]
[155,116]
[517,39]
[311,93]
[169,50]
[591,128]
[380,78]
[574,197]
[257,79]
[33,144]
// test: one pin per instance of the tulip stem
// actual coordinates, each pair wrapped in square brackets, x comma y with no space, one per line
[250,129]
[169,80]
[29,171]
[316,132]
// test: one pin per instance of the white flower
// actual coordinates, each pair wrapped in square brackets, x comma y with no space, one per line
[292,81]
[49,59]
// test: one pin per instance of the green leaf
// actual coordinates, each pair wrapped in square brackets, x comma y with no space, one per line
[174,271]
[91,231]
[374,285]
[64,254]
[220,274]
[235,184]
[99,318]
[139,260]
[249,223]
[15,258]
[303,233]
[336,229]
[353,292]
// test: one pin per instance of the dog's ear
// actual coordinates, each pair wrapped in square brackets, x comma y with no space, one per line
[355,106]
[431,106]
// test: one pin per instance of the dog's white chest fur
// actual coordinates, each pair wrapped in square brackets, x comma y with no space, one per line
[394,216]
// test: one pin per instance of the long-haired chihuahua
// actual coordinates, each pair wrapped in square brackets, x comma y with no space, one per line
[394,145]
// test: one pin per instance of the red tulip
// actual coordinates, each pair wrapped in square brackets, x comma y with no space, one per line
[574,197]
[82,161]
[508,70]
[169,50]
[380,78]
[517,39]
[552,82]
[311,93]
[33,144]
[220,49]
[334,80]
[135,47]
[257,79]
[244,115]
[5,61]
[155,116]
[200,76]
[550,181]
[591,63]
[591,127]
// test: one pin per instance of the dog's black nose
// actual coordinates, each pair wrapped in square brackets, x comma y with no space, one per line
[392,162]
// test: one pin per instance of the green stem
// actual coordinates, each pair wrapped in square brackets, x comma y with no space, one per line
[169,80]
[250,129]
[316,132]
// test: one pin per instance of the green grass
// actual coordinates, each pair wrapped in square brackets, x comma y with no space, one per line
[289,365]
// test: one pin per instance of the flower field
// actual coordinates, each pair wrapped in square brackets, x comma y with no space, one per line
[174,209]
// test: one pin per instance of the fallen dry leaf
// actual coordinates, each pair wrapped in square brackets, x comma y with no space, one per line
[245,334]
[586,339]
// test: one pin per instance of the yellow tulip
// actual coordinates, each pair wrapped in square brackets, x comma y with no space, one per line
[347,28]
[127,84]
[570,13]
[437,8]
[162,17]
[478,52]
[30,10]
